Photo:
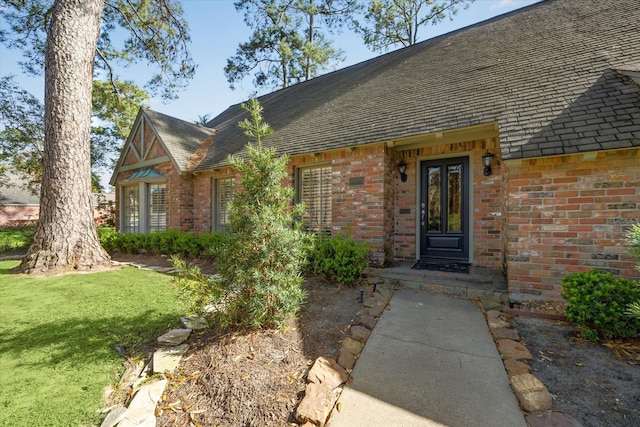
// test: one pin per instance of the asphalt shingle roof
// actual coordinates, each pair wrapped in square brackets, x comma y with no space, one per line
[556,76]
[181,138]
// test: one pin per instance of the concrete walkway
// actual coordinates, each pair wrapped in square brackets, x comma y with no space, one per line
[430,361]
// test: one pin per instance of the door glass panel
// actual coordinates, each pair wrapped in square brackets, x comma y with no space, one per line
[454,197]
[434,220]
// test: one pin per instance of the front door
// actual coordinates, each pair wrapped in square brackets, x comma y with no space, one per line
[444,209]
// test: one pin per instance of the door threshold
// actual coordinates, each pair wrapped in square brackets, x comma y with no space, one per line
[446,265]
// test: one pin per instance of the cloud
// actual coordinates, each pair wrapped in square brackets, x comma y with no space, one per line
[502,4]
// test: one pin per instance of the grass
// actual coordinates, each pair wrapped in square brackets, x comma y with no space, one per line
[18,238]
[57,336]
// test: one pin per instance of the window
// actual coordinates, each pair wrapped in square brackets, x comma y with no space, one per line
[223,193]
[131,210]
[314,190]
[157,198]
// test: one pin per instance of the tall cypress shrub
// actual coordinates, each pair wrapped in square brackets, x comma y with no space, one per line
[260,266]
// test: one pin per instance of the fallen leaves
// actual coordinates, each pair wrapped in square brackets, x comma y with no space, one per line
[624,349]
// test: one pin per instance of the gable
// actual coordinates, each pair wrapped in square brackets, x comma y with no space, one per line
[157,138]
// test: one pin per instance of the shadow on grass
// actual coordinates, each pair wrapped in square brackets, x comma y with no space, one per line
[80,341]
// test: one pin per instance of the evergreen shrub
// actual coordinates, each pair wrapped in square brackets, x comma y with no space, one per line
[598,302]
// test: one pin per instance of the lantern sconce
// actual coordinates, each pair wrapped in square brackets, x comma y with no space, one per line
[487,161]
[402,168]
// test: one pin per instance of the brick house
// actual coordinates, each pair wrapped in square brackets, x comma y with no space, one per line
[391,150]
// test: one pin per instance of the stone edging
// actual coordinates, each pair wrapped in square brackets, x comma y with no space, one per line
[327,377]
[533,396]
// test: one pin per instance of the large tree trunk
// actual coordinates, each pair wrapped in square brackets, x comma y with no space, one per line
[66,237]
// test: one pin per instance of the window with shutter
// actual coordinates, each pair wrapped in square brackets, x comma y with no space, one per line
[157,207]
[131,210]
[223,189]
[314,190]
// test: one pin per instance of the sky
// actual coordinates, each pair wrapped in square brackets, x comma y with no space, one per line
[217,29]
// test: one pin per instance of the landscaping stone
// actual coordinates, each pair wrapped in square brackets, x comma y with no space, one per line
[194,322]
[495,320]
[385,290]
[316,405]
[167,359]
[516,367]
[382,300]
[505,333]
[370,302]
[360,333]
[367,321]
[531,393]
[510,349]
[551,419]
[142,408]
[490,302]
[346,359]
[376,311]
[174,337]
[352,346]
[328,372]
[114,416]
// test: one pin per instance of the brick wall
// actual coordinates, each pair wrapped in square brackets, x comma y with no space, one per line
[487,246]
[567,214]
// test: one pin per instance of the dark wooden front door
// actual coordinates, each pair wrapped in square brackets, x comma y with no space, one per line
[444,209]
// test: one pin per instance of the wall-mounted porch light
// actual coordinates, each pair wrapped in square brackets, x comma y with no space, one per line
[402,168]
[487,161]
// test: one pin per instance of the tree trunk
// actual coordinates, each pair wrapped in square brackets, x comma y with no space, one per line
[66,237]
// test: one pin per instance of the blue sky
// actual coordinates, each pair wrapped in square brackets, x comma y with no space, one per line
[217,29]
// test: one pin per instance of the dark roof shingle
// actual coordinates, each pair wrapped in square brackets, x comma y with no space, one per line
[546,73]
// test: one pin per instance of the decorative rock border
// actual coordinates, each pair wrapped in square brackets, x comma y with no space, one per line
[533,396]
[148,388]
[327,377]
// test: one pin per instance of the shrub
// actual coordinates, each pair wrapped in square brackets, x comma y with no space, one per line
[260,282]
[339,258]
[597,303]
[633,239]
[196,289]
[168,242]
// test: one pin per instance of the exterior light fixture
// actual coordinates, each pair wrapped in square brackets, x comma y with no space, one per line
[402,168]
[487,160]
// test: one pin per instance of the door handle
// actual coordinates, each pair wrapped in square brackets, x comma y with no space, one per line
[422,217]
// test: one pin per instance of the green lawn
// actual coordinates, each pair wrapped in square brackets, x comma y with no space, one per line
[56,338]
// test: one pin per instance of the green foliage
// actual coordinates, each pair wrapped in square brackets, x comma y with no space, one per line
[155,32]
[339,258]
[260,281]
[194,288]
[15,238]
[633,239]
[114,106]
[389,23]
[58,336]
[597,303]
[288,43]
[633,310]
[168,242]
[21,136]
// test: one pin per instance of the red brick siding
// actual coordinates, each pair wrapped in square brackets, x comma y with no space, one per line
[487,249]
[568,214]
[16,215]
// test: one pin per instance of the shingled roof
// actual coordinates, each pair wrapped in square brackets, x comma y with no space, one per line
[557,77]
[181,138]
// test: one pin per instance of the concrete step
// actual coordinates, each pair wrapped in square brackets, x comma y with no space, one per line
[479,282]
